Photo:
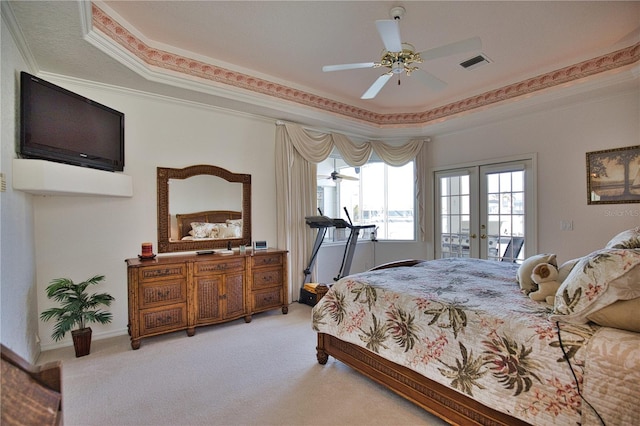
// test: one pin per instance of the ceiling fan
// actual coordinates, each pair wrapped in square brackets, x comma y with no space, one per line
[335,176]
[400,57]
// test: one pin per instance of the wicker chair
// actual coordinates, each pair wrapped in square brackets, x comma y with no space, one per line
[31,395]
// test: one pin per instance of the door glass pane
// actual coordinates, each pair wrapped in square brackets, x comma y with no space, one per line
[505,218]
[454,216]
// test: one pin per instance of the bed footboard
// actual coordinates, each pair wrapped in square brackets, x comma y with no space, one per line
[435,398]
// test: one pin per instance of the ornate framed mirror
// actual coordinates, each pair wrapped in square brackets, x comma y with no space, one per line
[202,207]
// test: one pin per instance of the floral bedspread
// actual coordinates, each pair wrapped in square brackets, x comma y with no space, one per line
[465,324]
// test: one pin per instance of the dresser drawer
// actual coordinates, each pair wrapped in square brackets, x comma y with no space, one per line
[163,293]
[162,272]
[157,320]
[269,259]
[267,299]
[215,266]
[265,278]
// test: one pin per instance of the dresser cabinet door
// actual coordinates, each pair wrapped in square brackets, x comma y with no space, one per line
[234,300]
[220,290]
[208,297]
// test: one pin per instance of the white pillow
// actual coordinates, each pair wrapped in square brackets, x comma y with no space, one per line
[565,269]
[622,314]
[227,231]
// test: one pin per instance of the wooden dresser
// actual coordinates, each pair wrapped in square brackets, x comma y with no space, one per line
[185,291]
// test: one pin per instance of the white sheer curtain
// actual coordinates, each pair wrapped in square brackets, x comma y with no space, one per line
[297,153]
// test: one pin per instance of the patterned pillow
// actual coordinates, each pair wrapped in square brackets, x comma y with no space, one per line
[626,239]
[524,271]
[598,280]
[201,229]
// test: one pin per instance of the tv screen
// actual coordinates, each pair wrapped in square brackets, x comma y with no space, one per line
[60,125]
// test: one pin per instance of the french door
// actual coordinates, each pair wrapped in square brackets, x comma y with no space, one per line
[486,211]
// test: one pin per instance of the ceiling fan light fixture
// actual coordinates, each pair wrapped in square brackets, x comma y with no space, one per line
[397,67]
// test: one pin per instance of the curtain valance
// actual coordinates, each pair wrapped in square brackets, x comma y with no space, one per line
[315,147]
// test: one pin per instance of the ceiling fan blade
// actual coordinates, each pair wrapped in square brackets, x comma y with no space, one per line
[341,67]
[461,46]
[347,177]
[390,33]
[376,86]
[428,79]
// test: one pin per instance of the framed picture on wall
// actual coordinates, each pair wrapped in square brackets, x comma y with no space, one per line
[613,176]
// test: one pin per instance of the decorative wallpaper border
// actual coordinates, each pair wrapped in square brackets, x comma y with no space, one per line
[181,64]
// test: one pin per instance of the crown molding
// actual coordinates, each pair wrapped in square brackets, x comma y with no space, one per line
[180,70]
[9,19]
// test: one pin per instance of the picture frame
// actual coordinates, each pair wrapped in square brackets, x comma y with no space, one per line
[613,176]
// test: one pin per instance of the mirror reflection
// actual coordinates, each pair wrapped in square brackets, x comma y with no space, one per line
[185,197]
[203,207]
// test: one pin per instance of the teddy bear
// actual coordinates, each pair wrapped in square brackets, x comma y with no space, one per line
[545,275]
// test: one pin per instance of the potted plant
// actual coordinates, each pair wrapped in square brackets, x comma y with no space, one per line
[77,308]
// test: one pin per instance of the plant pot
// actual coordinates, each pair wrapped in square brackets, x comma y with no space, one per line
[82,341]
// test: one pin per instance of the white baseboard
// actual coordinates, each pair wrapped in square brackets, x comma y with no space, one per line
[95,336]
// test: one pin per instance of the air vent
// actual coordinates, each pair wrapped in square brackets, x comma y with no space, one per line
[475,62]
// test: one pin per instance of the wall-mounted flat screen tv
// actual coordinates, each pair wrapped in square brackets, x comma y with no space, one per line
[62,126]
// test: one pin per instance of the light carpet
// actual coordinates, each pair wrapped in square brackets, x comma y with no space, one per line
[261,373]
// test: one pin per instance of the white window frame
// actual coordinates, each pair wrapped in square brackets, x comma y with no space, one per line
[330,238]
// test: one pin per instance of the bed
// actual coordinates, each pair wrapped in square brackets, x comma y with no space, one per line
[211,224]
[460,338]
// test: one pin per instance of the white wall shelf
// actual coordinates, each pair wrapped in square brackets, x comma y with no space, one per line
[42,177]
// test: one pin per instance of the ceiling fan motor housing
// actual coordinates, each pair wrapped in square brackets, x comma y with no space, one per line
[397,12]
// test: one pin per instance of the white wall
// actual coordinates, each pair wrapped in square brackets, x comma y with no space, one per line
[19,315]
[78,237]
[561,136]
